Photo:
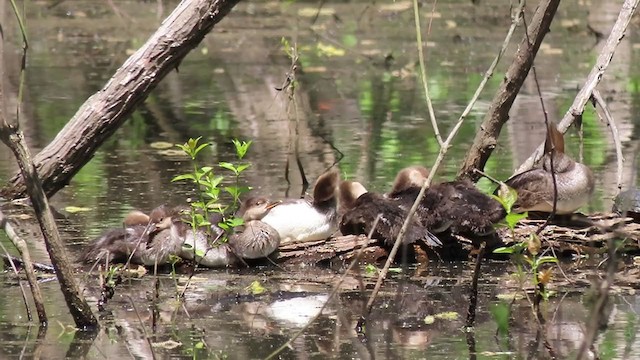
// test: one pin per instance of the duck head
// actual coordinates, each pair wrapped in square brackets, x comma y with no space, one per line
[412,176]
[135,218]
[554,148]
[325,188]
[255,208]
[349,192]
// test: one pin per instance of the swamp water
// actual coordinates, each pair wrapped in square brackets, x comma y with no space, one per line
[359,103]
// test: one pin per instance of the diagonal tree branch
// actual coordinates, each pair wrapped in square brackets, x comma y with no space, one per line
[101,115]
[487,137]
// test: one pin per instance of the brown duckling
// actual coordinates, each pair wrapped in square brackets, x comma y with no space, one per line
[575,183]
[362,208]
[258,239]
[457,206]
[300,220]
[145,239]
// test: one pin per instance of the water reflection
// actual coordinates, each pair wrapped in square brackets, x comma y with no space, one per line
[366,105]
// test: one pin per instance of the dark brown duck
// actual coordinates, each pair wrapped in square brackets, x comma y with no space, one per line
[454,206]
[362,208]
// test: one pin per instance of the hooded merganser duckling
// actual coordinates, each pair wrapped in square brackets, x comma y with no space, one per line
[145,239]
[362,208]
[256,240]
[457,206]
[535,189]
[300,220]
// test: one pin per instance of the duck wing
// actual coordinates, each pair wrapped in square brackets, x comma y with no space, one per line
[361,218]
[534,188]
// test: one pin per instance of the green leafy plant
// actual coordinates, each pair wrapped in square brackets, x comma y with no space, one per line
[526,252]
[208,187]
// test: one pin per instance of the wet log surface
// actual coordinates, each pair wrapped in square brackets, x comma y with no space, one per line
[563,240]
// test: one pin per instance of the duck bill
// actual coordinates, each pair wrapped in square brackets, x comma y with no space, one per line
[273,204]
[150,228]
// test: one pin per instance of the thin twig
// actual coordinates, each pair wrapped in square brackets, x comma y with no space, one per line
[15,270]
[442,152]
[423,69]
[332,294]
[473,297]
[546,123]
[598,313]
[597,71]
[614,133]
[144,328]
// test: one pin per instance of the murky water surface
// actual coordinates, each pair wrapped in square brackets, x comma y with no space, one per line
[359,103]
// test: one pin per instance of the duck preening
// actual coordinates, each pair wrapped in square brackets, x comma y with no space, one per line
[152,239]
[363,207]
[301,220]
[143,239]
[535,188]
[454,206]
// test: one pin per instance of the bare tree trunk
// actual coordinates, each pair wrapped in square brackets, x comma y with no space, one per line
[101,115]
[78,307]
[498,114]
[4,223]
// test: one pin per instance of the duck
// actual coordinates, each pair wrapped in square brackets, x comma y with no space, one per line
[257,238]
[301,220]
[143,239]
[535,189]
[361,209]
[455,206]
[254,240]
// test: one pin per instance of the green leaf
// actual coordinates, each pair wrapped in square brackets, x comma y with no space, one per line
[546,259]
[448,315]
[504,250]
[508,195]
[513,218]
[242,167]
[184,148]
[370,269]
[232,190]
[235,222]
[227,165]
[501,315]
[206,169]
[256,288]
[183,177]
[199,148]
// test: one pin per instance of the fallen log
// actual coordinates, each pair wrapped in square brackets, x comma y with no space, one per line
[563,240]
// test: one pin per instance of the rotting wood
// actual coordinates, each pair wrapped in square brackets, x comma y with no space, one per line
[103,113]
